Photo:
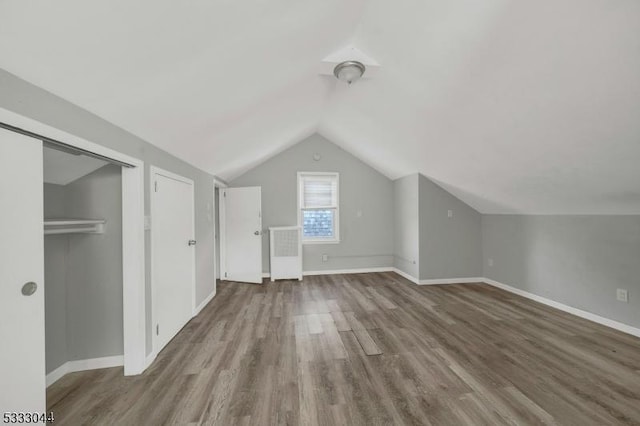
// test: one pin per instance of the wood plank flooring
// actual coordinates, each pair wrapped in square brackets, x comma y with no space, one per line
[369,349]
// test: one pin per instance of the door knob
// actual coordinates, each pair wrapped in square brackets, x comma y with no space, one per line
[256,233]
[29,288]
[192,242]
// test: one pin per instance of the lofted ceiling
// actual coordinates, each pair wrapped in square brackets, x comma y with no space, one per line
[513,106]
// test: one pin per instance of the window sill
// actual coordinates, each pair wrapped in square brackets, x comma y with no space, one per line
[304,242]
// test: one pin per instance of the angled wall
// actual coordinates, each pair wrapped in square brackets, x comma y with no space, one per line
[450,235]
[579,261]
[366,211]
[407,220]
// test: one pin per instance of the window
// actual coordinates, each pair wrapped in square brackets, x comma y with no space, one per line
[318,213]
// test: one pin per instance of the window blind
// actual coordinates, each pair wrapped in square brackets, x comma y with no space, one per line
[319,192]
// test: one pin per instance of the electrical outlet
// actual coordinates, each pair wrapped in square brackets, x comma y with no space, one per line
[490,262]
[325,257]
[622,295]
[449,213]
[359,213]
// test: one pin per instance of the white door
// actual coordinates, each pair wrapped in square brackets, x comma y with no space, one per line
[22,369]
[243,234]
[173,252]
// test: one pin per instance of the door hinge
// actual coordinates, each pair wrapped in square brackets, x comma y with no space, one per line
[156,186]
[157,329]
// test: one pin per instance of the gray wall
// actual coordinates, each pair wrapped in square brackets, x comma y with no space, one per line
[31,101]
[576,260]
[406,218]
[83,272]
[55,281]
[366,240]
[94,269]
[450,247]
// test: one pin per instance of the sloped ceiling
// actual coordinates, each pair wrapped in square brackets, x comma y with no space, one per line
[529,106]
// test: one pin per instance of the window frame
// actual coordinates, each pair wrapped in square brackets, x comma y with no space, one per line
[336,222]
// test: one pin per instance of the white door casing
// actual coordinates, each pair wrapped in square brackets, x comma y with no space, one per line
[133,236]
[22,357]
[217,190]
[173,256]
[241,223]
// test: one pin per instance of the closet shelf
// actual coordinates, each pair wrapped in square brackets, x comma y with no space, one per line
[74,226]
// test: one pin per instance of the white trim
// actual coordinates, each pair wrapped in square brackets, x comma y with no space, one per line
[472,280]
[157,170]
[150,358]
[133,264]
[625,328]
[222,234]
[217,183]
[84,365]
[153,171]
[405,275]
[205,302]
[336,237]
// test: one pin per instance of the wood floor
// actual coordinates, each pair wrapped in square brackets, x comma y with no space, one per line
[370,349]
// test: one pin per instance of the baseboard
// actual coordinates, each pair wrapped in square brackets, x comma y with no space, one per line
[57,374]
[83,365]
[625,328]
[204,303]
[149,359]
[405,275]
[452,281]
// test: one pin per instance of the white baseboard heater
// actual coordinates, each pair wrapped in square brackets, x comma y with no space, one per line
[285,244]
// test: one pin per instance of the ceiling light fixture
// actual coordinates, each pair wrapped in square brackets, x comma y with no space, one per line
[349,71]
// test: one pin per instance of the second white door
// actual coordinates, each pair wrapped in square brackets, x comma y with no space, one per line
[173,254]
[242,218]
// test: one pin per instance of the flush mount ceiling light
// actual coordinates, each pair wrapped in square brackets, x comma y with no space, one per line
[349,71]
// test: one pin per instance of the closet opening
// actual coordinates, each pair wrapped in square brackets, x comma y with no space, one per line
[23,168]
[83,262]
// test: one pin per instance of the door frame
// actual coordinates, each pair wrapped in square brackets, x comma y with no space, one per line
[154,170]
[217,184]
[133,247]
[222,231]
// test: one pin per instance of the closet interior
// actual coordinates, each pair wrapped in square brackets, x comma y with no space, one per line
[83,261]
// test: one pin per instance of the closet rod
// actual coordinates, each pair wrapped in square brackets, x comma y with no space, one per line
[63,145]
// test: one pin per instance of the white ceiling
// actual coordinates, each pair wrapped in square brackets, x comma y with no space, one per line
[514,106]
